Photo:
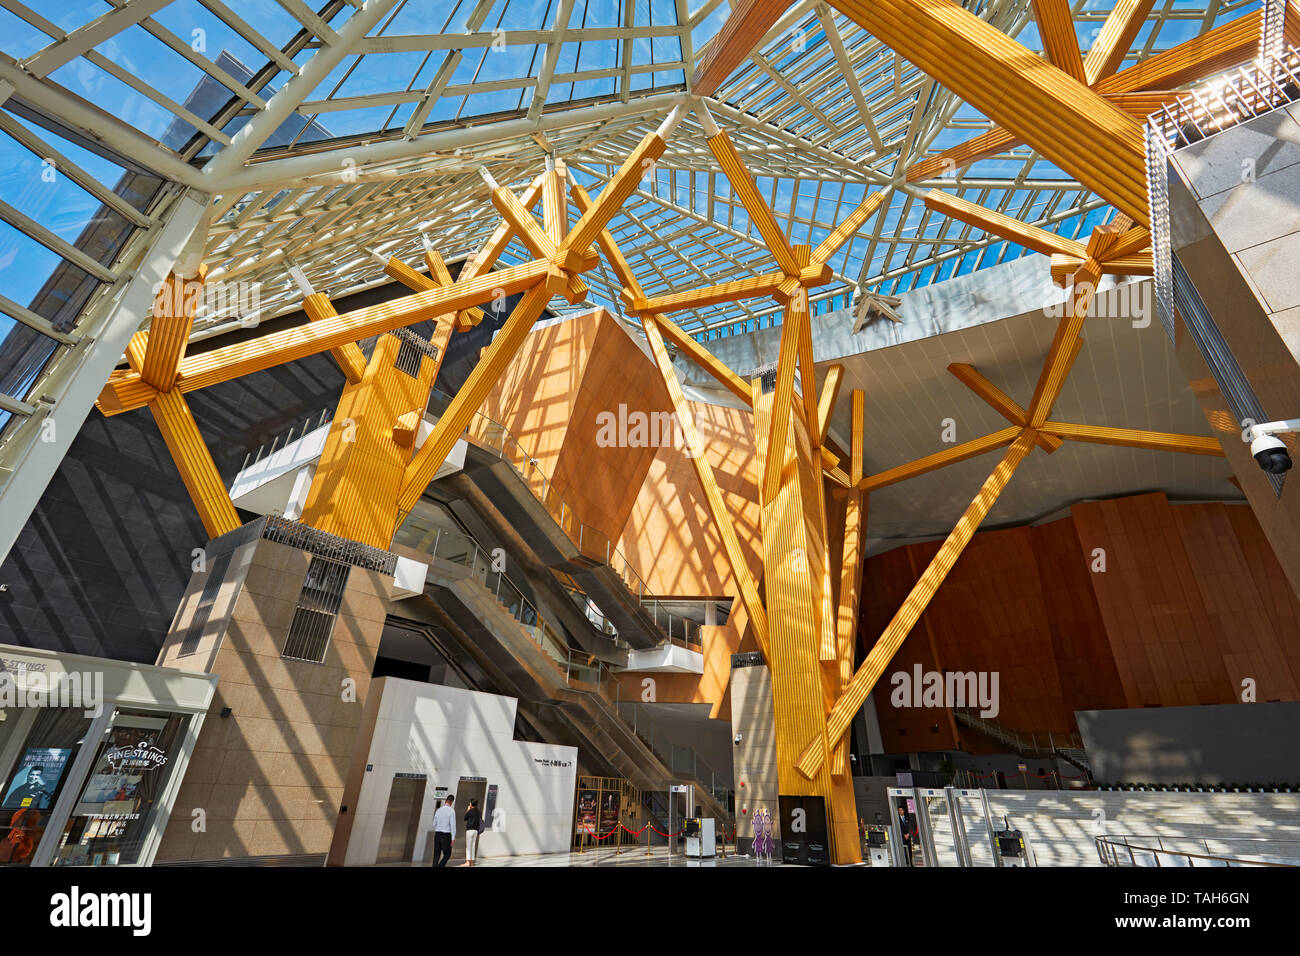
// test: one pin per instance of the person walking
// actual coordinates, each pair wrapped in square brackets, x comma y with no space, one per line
[473,827]
[444,832]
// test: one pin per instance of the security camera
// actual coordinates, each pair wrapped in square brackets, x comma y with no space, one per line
[1271,455]
[1267,449]
[737,739]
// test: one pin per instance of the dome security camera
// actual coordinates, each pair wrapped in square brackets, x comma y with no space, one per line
[1271,454]
[1267,449]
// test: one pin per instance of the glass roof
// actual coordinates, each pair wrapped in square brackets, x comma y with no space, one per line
[341,127]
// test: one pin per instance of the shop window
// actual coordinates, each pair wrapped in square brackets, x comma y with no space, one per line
[115,808]
[318,606]
[33,784]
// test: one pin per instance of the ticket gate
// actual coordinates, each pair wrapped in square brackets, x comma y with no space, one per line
[947,826]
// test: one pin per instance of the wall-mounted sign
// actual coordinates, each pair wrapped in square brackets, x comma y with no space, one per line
[489,805]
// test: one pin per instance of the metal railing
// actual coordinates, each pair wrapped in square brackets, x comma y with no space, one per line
[330,546]
[461,549]
[1234,98]
[1118,851]
[1024,743]
[285,439]
[681,760]
[578,668]
[493,436]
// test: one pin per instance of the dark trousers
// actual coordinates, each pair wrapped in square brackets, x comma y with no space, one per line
[441,848]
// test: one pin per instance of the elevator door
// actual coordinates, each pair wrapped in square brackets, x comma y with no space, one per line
[467,789]
[401,820]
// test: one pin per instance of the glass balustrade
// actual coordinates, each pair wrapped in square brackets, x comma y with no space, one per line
[492,436]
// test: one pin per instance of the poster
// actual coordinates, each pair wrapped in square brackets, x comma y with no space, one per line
[489,806]
[588,803]
[609,807]
[36,778]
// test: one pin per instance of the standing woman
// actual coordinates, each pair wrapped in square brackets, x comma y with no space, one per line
[473,827]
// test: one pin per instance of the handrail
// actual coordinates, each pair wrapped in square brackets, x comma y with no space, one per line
[1022,743]
[326,416]
[1110,846]
[458,548]
[493,436]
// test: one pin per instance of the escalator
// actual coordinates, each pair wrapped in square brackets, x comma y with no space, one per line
[518,651]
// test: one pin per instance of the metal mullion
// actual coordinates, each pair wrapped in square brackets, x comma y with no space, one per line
[34,230]
[166,102]
[74,172]
[33,321]
[254,38]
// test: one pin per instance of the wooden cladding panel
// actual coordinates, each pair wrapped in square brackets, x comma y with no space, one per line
[194,462]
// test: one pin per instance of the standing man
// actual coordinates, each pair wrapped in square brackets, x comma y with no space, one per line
[444,832]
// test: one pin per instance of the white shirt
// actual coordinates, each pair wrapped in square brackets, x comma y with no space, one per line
[444,820]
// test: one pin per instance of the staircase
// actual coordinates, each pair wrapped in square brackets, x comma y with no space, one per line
[1068,747]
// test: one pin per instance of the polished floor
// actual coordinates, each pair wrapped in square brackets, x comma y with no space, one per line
[611,856]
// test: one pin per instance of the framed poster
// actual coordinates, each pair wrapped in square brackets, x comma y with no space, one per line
[588,805]
[610,804]
[36,778]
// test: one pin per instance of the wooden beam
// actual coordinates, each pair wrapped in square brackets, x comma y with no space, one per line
[553,206]
[983,146]
[1207,55]
[1060,41]
[349,357]
[830,391]
[170,327]
[940,459]
[535,238]
[288,345]
[998,224]
[1070,125]
[1121,28]
[194,462]
[998,400]
[855,694]
[746,190]
[783,399]
[277,348]
[490,252]
[847,229]
[752,287]
[1127,244]
[1137,438]
[617,191]
[846,618]
[1137,264]
[1065,346]
[722,521]
[731,46]
[424,466]
[807,364]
